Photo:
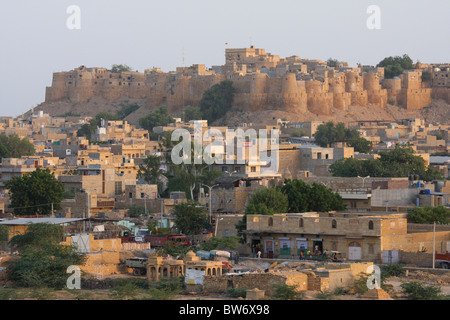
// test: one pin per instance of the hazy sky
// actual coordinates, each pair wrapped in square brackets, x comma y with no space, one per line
[35,41]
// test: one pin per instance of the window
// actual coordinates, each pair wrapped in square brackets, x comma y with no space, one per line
[334,224]
[370,225]
[142,195]
[253,169]
[270,222]
[371,248]
[300,223]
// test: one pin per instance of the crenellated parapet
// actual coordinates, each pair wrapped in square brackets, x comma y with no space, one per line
[261,80]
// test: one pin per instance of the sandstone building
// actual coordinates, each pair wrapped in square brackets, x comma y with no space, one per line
[262,81]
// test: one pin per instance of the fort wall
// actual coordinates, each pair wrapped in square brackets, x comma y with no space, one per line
[261,80]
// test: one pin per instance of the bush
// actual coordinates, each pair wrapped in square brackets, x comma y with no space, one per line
[138,283]
[360,284]
[340,291]
[325,295]
[166,289]
[237,292]
[391,270]
[286,292]
[125,290]
[136,211]
[417,291]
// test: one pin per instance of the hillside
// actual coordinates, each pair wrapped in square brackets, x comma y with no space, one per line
[438,111]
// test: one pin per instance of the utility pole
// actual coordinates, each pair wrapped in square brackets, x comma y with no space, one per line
[53,215]
[434,244]
[162,210]
[210,202]
[217,225]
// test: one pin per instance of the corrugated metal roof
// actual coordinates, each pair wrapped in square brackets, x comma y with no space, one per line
[25,221]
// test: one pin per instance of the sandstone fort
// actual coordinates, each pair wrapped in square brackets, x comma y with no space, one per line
[261,80]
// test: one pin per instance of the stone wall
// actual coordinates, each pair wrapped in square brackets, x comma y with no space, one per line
[260,280]
[255,91]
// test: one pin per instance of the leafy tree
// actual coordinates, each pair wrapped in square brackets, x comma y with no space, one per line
[190,218]
[34,192]
[293,197]
[217,100]
[286,292]
[223,243]
[188,177]
[267,201]
[399,162]
[43,260]
[136,211]
[12,146]
[334,63]
[429,215]
[329,133]
[69,114]
[159,117]
[417,291]
[360,144]
[127,109]
[192,113]
[150,171]
[394,66]
[297,132]
[119,68]
[313,197]
[88,129]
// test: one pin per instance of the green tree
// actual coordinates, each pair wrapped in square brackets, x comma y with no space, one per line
[43,260]
[287,292]
[188,176]
[127,109]
[34,192]
[429,215]
[159,117]
[192,113]
[417,291]
[360,144]
[293,197]
[12,146]
[190,218]
[267,201]
[297,132]
[399,162]
[334,63]
[217,100]
[313,197]
[136,211]
[224,243]
[88,129]
[119,68]
[394,66]
[150,171]
[329,133]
